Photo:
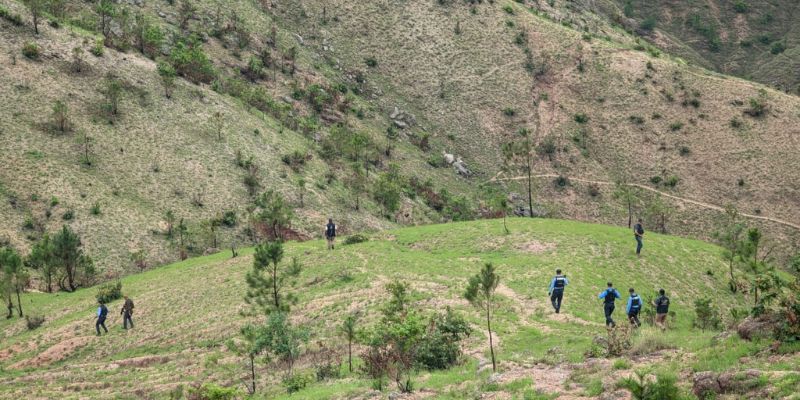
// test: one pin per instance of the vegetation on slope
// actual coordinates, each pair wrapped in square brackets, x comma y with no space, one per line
[188,316]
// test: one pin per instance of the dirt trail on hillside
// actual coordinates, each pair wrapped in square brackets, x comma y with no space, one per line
[678,198]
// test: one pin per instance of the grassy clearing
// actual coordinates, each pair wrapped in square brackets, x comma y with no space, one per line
[186,311]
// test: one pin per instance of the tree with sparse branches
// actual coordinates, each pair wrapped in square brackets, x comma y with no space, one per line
[519,156]
[67,253]
[14,275]
[628,195]
[350,332]
[274,212]
[61,116]
[37,8]
[481,294]
[729,236]
[167,74]
[41,259]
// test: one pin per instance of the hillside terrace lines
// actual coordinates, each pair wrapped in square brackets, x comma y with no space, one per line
[644,187]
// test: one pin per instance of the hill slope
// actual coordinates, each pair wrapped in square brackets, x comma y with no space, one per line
[464,78]
[187,311]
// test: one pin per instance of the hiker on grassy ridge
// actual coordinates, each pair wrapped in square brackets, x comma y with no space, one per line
[609,296]
[662,309]
[556,289]
[638,233]
[330,233]
[127,311]
[633,308]
[102,313]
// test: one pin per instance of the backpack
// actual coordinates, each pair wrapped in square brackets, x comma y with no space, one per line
[639,229]
[103,311]
[330,230]
[610,296]
[636,302]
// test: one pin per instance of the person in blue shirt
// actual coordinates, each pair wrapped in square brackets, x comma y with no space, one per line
[556,289]
[102,313]
[633,308]
[609,296]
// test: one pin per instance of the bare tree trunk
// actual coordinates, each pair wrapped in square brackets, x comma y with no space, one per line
[530,191]
[252,373]
[350,354]
[275,286]
[491,343]
[19,302]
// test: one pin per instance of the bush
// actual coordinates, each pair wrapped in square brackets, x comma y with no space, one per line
[31,51]
[98,49]
[649,341]
[684,151]
[561,182]
[736,123]
[758,107]
[638,120]
[508,9]
[440,347]
[33,322]
[664,387]
[192,63]
[648,24]
[109,292]
[15,19]
[95,210]
[740,6]
[675,126]
[509,112]
[672,181]
[229,218]
[210,391]
[778,47]
[655,180]
[707,316]
[68,215]
[581,118]
[296,383]
[355,239]
[371,62]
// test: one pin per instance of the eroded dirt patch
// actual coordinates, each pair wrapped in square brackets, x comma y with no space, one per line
[55,353]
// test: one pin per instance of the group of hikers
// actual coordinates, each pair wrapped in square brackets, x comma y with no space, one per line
[610,294]
[102,314]
[555,291]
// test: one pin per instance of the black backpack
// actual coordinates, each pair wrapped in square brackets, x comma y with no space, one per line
[103,311]
[636,302]
[639,229]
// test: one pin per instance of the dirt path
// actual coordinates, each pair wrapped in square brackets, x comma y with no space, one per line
[643,187]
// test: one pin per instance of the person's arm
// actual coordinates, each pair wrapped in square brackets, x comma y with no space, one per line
[566,281]
[616,294]
[602,294]
[552,286]
[628,307]
[98,311]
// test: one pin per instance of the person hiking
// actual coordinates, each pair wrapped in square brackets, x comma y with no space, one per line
[102,313]
[330,233]
[638,233]
[126,312]
[662,309]
[556,289]
[609,296]
[633,308]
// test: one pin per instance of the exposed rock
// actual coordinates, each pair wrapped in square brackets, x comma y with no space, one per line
[461,168]
[705,383]
[402,119]
[162,14]
[299,39]
[711,383]
[448,157]
[759,327]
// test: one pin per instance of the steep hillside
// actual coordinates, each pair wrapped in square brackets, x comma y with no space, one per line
[294,85]
[186,312]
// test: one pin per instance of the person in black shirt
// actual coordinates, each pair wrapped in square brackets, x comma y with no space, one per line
[638,233]
[330,233]
[662,309]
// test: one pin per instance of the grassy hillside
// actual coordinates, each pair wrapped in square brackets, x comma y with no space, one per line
[185,313]
[471,75]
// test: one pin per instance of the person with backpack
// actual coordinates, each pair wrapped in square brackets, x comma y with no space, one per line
[662,309]
[102,313]
[609,296]
[127,311]
[556,290]
[633,308]
[330,233]
[638,233]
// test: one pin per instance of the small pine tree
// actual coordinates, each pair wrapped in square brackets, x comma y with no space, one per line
[167,73]
[61,116]
[350,331]
[481,294]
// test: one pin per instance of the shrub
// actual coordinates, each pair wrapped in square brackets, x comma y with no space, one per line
[648,24]
[33,321]
[655,180]
[508,9]
[672,181]
[95,210]
[636,119]
[296,383]
[758,107]
[31,51]
[15,19]
[440,347]
[98,49]
[778,47]
[581,118]
[736,123]
[109,292]
[684,151]
[437,161]
[296,160]
[740,6]
[192,63]
[371,62]
[210,391]
[649,341]
[621,363]
[675,126]
[707,316]
[68,215]
[561,182]
[664,387]
[228,218]
[355,239]
[509,112]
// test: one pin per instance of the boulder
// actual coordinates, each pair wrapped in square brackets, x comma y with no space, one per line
[461,168]
[757,327]
[448,157]
[705,384]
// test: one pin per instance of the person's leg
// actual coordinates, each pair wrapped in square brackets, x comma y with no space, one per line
[638,245]
[553,297]
[103,324]
[559,298]
[130,320]
[97,327]
[608,309]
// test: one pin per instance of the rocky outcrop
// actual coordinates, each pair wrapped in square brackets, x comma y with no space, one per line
[757,327]
[708,383]
[402,119]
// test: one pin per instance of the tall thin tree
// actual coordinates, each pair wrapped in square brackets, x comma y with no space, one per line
[481,294]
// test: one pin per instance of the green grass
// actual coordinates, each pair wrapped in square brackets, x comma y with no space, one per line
[186,311]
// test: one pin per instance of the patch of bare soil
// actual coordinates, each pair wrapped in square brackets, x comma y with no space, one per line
[535,247]
[7,353]
[55,353]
